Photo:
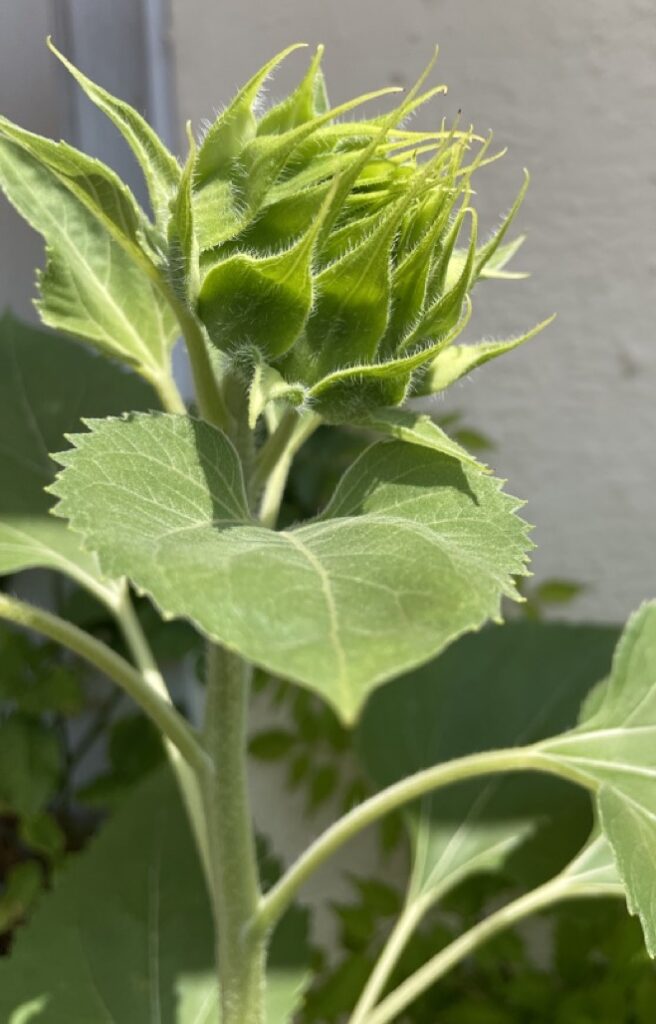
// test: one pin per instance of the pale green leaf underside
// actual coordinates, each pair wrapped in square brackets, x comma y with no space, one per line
[456,361]
[593,871]
[614,751]
[161,169]
[126,936]
[503,687]
[417,428]
[414,549]
[46,384]
[91,287]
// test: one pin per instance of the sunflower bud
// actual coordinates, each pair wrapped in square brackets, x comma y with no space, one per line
[339,254]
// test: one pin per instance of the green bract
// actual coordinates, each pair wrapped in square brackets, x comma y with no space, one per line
[340,253]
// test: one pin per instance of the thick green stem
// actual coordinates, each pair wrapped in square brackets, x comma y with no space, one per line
[235,882]
[517,759]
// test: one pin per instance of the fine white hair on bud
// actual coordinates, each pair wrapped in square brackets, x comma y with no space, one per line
[331,242]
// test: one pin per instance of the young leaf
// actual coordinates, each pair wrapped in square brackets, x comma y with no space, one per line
[160,168]
[268,386]
[219,211]
[308,100]
[184,256]
[349,393]
[94,184]
[417,428]
[457,361]
[495,267]
[139,892]
[491,248]
[414,549]
[237,124]
[91,286]
[613,750]
[500,688]
[441,315]
[46,384]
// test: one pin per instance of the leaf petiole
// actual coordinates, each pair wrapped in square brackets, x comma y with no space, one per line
[271,472]
[516,759]
[586,876]
[135,683]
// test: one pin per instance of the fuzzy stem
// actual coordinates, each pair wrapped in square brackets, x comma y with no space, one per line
[276,479]
[235,880]
[276,901]
[211,403]
[273,450]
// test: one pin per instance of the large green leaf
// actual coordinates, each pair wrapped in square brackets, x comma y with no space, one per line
[613,751]
[46,384]
[414,549]
[503,687]
[91,287]
[126,935]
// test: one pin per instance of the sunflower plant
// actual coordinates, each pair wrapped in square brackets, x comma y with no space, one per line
[319,266]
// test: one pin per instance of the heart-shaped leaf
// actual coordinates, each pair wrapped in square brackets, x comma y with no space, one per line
[126,936]
[613,751]
[46,384]
[414,549]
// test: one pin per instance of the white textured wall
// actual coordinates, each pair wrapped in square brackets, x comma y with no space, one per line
[570,87]
[29,94]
